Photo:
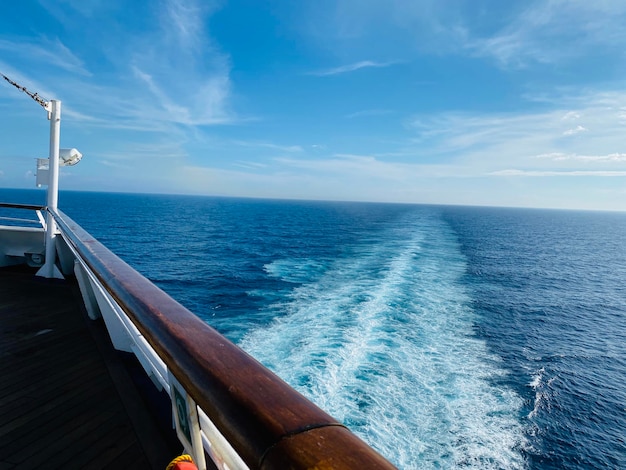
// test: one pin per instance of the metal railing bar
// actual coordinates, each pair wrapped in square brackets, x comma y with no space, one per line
[14,219]
[22,206]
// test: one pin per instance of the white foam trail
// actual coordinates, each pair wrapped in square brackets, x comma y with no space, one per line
[383,341]
[541,387]
[295,270]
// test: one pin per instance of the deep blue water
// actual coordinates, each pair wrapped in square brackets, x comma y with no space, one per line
[446,337]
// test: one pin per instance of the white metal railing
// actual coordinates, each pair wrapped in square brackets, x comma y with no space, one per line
[41,221]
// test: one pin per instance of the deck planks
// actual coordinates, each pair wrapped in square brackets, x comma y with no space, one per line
[61,404]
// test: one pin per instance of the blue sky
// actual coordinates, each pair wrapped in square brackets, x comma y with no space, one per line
[508,103]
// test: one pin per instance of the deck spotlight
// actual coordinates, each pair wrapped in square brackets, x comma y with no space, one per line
[69,157]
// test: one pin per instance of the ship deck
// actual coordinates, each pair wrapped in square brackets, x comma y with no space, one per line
[67,399]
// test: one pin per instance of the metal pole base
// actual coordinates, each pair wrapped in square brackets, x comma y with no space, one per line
[49,272]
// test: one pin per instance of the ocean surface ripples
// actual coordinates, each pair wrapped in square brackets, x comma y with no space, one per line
[549,288]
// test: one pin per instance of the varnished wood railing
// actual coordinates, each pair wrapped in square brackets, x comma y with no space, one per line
[268,423]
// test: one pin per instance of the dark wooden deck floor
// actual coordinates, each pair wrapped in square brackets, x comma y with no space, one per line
[66,400]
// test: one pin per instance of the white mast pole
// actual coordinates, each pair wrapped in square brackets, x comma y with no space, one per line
[49,269]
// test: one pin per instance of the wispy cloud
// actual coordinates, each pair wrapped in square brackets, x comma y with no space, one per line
[513,34]
[540,173]
[250,165]
[491,142]
[570,115]
[146,153]
[116,164]
[63,10]
[369,113]
[184,21]
[560,157]
[159,78]
[368,167]
[205,106]
[352,67]
[48,51]
[194,87]
[576,130]
[555,31]
[268,145]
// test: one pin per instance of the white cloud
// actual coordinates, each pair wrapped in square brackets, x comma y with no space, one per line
[51,52]
[513,34]
[570,116]
[176,77]
[352,67]
[250,165]
[86,8]
[187,76]
[145,153]
[184,21]
[539,173]
[205,107]
[348,177]
[114,164]
[367,167]
[268,145]
[555,31]
[611,158]
[368,113]
[576,130]
[487,143]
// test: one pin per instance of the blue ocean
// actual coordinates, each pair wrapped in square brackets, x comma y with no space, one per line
[445,337]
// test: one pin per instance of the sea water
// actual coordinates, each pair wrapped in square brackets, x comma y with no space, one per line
[446,337]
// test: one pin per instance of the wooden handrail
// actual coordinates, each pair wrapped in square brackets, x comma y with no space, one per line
[22,206]
[267,422]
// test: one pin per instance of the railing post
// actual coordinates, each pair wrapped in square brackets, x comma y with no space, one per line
[187,422]
[49,269]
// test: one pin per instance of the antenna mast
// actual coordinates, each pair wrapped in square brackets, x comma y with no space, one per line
[49,269]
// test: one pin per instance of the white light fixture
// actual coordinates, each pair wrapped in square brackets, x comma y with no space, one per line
[69,157]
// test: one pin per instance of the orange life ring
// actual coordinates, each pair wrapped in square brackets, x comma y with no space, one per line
[182,462]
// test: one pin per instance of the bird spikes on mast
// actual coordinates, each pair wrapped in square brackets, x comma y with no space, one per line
[34,96]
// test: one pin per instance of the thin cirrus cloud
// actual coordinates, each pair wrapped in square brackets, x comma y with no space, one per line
[518,35]
[142,94]
[577,130]
[195,89]
[269,145]
[369,113]
[183,20]
[553,32]
[532,143]
[352,68]
[366,168]
[452,131]
[540,173]
[560,157]
[49,51]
